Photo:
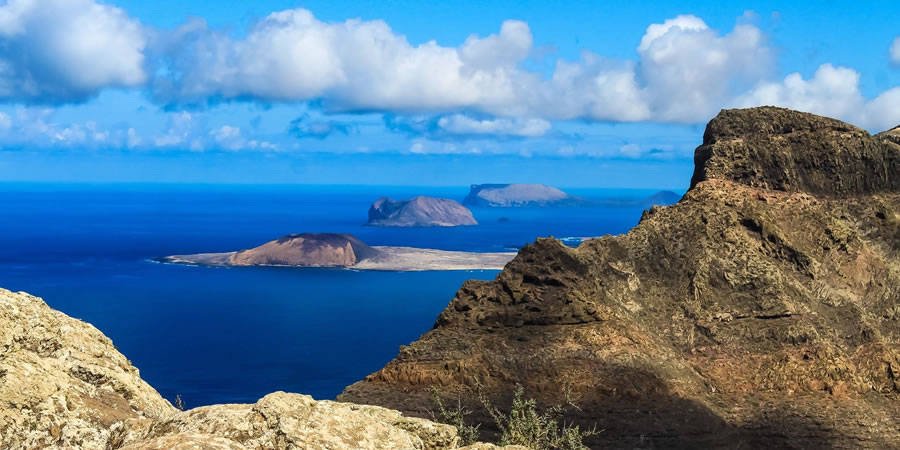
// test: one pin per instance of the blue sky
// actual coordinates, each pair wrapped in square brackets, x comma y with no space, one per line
[579,94]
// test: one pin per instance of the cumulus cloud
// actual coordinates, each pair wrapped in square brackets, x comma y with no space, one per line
[229,137]
[464,125]
[353,65]
[67,50]
[832,91]
[453,127]
[37,127]
[685,71]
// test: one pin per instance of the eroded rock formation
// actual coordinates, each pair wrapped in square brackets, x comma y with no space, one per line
[64,385]
[761,310]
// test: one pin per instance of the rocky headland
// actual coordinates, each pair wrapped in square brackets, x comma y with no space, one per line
[517,195]
[64,385]
[420,211]
[345,251]
[761,310]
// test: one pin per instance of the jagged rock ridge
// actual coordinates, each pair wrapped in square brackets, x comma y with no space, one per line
[64,385]
[420,211]
[761,310]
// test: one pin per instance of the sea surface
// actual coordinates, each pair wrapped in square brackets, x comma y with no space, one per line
[217,335]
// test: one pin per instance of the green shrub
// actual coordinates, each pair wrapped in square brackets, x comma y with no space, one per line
[523,425]
[456,416]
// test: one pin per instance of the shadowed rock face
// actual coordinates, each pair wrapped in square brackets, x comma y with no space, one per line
[419,211]
[761,310]
[307,249]
[517,195]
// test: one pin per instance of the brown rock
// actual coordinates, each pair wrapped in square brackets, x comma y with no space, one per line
[761,310]
[419,211]
[307,249]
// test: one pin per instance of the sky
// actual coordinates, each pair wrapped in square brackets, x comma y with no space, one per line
[569,93]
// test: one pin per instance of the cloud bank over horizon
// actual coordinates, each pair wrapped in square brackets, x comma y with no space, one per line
[55,52]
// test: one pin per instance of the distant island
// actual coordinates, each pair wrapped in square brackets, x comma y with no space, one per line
[419,211]
[345,251]
[517,195]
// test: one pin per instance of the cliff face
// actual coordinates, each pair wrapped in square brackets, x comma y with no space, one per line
[64,385]
[307,249]
[419,211]
[516,195]
[761,310]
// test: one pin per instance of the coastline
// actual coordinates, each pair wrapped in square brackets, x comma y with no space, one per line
[390,258]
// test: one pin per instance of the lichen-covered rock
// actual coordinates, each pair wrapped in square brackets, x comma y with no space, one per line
[763,309]
[62,382]
[64,385]
[283,421]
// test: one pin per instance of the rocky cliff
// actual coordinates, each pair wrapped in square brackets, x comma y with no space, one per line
[307,249]
[419,211]
[517,195]
[64,385]
[763,309]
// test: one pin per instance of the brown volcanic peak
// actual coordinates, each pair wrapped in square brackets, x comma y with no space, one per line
[780,149]
[307,249]
[762,309]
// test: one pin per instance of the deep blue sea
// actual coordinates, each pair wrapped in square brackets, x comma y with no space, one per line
[216,335]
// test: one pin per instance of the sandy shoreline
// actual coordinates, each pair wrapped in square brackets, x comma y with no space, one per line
[404,259]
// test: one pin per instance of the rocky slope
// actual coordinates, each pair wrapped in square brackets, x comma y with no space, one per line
[761,310]
[517,195]
[64,385]
[419,211]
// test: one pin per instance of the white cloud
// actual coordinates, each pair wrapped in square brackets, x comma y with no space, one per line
[229,137]
[686,71]
[465,125]
[689,71]
[181,132]
[895,51]
[67,50]
[351,65]
[832,91]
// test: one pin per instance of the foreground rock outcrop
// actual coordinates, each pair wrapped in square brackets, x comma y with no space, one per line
[761,310]
[64,385]
[517,195]
[419,211]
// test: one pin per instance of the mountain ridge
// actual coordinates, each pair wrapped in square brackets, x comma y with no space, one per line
[760,310]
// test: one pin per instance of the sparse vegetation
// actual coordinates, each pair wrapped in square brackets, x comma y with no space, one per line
[524,424]
[456,416]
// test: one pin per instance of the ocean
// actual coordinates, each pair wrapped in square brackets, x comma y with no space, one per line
[225,335]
